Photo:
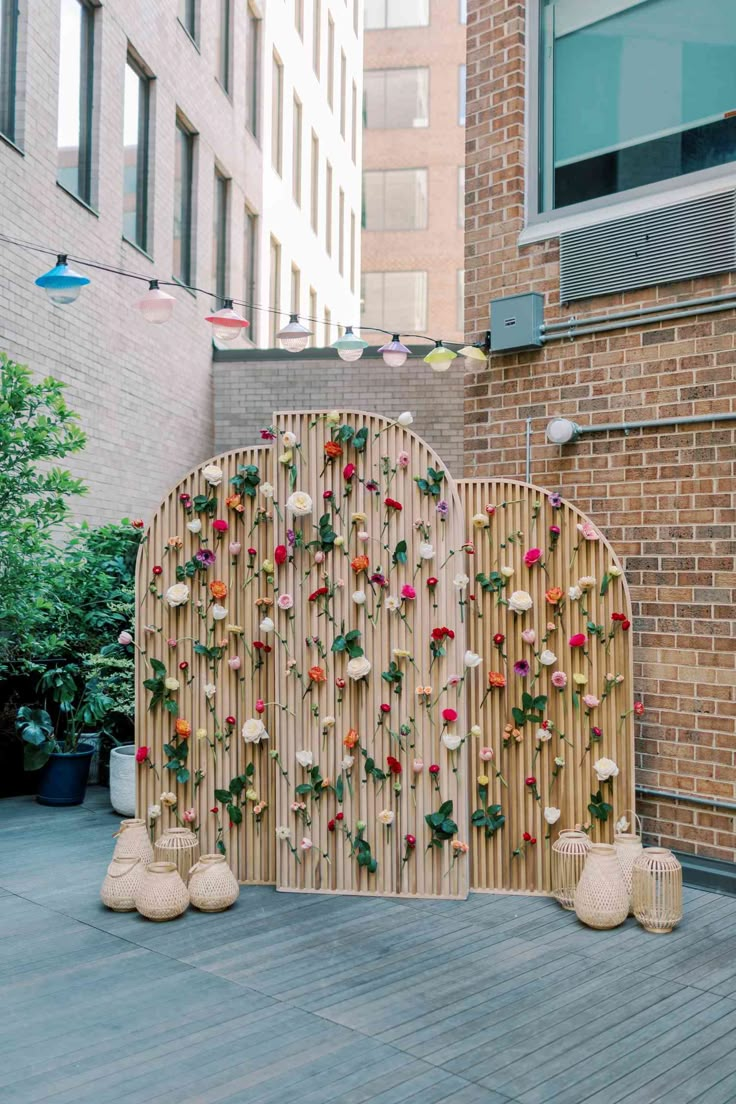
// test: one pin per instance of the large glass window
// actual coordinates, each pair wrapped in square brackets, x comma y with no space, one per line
[314,185]
[296,291]
[188,16]
[223,44]
[220,235]
[135,155]
[8,56]
[395,13]
[461,94]
[633,92]
[317,37]
[183,187]
[395,199]
[330,61]
[74,132]
[396,98]
[253,74]
[274,319]
[277,114]
[461,195]
[395,301]
[250,261]
[296,154]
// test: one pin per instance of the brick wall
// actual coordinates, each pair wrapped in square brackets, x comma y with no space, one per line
[663,496]
[247,392]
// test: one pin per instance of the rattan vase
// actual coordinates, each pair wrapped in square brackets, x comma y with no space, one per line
[161,894]
[133,841]
[569,852]
[121,884]
[212,885]
[657,890]
[180,846]
[628,847]
[601,898]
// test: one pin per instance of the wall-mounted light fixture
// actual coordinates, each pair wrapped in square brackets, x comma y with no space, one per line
[562,431]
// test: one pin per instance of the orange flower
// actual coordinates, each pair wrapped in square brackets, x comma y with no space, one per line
[333,450]
[316,674]
[183,728]
[497,679]
[218,589]
[553,595]
[352,738]
[360,563]
[233,501]
[175,542]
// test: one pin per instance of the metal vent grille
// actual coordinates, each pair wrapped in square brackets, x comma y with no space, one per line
[674,243]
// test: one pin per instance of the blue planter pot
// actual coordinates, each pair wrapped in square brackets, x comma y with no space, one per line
[63,780]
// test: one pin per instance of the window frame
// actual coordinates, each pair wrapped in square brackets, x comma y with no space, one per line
[86,111]
[190,11]
[225,46]
[277,115]
[186,274]
[330,61]
[297,139]
[254,63]
[250,267]
[317,38]
[221,212]
[396,229]
[398,69]
[329,212]
[386,26]
[9,17]
[274,287]
[422,326]
[142,181]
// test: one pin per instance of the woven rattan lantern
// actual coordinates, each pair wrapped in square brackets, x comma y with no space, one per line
[180,846]
[161,894]
[657,890]
[121,884]
[628,848]
[601,898]
[212,885]
[569,852]
[133,841]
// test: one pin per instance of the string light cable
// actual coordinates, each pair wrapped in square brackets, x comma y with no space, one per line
[63,285]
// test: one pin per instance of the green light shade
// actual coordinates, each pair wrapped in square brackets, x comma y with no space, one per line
[440,358]
[472,352]
[349,347]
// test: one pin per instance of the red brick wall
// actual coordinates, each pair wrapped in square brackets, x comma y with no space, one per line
[664,497]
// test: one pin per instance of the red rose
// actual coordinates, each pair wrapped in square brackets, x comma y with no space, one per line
[230,720]
[449,715]
[340,683]
[385,708]
[267,648]
[618,616]
[533,840]
[626,624]
[327,495]
[258,644]
[141,755]
[214,809]
[280,554]
[411,841]
[432,582]
[330,825]
[526,837]
[392,504]
[435,768]
[349,471]
[533,556]
[499,639]
[393,764]
[318,593]
[577,640]
[597,732]
[220,525]
[437,634]
[252,551]
[530,781]
[339,816]
[639,708]
[183,665]
[157,570]
[450,633]
[471,597]
[137,524]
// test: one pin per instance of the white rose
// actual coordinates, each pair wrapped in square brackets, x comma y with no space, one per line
[219,612]
[212,474]
[171,684]
[209,690]
[168,798]
[177,595]
[614,571]
[574,592]
[299,504]
[359,597]
[622,825]
[460,581]
[543,735]
[339,541]
[283,832]
[520,601]
[547,658]
[587,582]
[154,812]
[451,741]
[332,417]
[358,668]
[254,731]
[194,526]
[347,763]
[305,759]
[475,730]
[605,769]
[507,572]
[266,490]
[267,625]
[480,521]
[289,439]
[405,419]
[472,659]
[551,815]
[328,722]
[392,603]
[386,816]
[426,550]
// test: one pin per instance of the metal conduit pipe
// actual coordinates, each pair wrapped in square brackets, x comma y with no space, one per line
[686,419]
[690,799]
[640,312]
[573,331]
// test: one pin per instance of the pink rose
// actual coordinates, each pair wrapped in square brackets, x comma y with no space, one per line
[285,601]
[577,640]
[588,530]
[125,638]
[590,700]
[533,556]
[528,636]
[319,557]
[418,766]
[408,591]
[189,816]
[235,547]
[559,679]
[486,754]
[172,641]
[234,663]
[306,844]
[402,460]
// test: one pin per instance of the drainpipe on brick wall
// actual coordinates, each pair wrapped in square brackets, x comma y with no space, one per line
[560,331]
[690,799]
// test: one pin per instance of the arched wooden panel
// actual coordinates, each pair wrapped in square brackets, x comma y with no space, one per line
[505,520]
[318,716]
[214,757]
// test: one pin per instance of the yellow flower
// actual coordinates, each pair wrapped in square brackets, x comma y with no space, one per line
[234,628]
[401,653]
[251,795]
[580,680]
[358,518]
[201,733]
[333,417]
[267,567]
[286,457]
[482,779]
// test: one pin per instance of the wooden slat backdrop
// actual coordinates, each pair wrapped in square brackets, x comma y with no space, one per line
[251,848]
[525,508]
[428,872]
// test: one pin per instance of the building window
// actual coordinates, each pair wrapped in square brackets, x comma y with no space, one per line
[461,195]
[250,261]
[314,197]
[341,234]
[395,300]
[395,199]
[299,17]
[312,316]
[277,109]
[296,156]
[352,251]
[328,209]
[220,235]
[354,131]
[460,305]
[135,155]
[8,65]
[462,92]
[253,74]
[343,93]
[223,44]
[395,13]
[330,61]
[74,133]
[463,11]
[274,321]
[633,94]
[296,291]
[317,38]
[188,17]
[396,99]
[183,188]
[356,18]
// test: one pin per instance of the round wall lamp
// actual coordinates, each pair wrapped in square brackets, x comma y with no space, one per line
[562,431]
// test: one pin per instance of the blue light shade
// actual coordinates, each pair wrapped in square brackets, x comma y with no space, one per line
[349,347]
[61,283]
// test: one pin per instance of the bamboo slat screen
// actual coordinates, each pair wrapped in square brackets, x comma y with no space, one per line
[506,520]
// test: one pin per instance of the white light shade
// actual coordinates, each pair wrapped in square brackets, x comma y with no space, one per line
[227,323]
[394,353]
[156,306]
[349,347]
[561,431]
[472,352]
[294,337]
[440,358]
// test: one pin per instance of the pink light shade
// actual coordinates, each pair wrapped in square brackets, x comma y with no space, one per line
[227,323]
[156,306]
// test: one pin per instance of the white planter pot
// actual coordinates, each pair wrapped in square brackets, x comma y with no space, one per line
[122,779]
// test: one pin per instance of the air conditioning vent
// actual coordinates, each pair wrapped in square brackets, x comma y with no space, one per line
[689,239]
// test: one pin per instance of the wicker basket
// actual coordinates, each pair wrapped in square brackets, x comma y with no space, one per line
[212,885]
[628,848]
[161,894]
[601,898]
[133,841]
[657,890]
[569,852]
[180,846]
[121,884]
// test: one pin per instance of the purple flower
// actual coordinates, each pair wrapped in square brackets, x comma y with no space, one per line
[443,509]
[205,556]
[371,485]
[555,500]
[379,579]
[521,667]
[290,537]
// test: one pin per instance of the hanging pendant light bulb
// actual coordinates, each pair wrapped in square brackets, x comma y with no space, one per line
[293,336]
[440,358]
[394,353]
[61,283]
[349,347]
[156,306]
[227,323]
[473,353]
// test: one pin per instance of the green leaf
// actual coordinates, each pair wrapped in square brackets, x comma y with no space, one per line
[236,786]
[303,788]
[605,584]
[182,775]
[519,715]
[339,644]
[222,796]
[235,814]
[400,555]
[360,439]
[171,707]
[159,668]
[340,789]
[446,808]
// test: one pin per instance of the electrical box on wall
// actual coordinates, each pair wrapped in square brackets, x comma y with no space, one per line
[516,322]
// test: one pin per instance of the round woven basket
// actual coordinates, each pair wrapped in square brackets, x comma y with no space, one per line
[212,885]
[628,848]
[569,852]
[161,894]
[601,898]
[657,890]
[121,883]
[133,841]
[180,846]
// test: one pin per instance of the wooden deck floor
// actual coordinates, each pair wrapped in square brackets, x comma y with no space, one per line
[292,999]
